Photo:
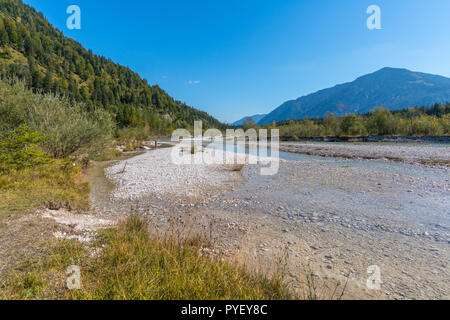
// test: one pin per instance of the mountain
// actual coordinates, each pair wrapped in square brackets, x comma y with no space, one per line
[392,88]
[33,50]
[256,118]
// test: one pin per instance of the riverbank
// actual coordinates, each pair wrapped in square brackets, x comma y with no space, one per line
[318,213]
[416,154]
[321,217]
[389,139]
[119,253]
[342,218]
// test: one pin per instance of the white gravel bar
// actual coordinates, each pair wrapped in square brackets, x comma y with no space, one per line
[155,173]
[413,153]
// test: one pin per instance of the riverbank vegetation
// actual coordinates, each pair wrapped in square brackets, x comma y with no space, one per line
[130,264]
[423,121]
[68,128]
[31,178]
[125,262]
[45,142]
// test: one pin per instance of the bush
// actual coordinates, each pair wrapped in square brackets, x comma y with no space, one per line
[68,126]
[426,126]
[445,123]
[19,149]
[432,121]
[352,125]
[381,122]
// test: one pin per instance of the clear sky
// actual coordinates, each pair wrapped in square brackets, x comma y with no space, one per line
[234,58]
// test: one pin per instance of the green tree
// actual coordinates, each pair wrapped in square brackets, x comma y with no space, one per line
[352,125]
[331,124]
[249,123]
[381,122]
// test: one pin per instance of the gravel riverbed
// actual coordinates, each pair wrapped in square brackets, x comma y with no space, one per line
[337,216]
[409,153]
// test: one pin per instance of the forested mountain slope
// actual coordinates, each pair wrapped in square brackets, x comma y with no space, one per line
[33,50]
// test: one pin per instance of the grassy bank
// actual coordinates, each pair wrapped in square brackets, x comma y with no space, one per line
[30,178]
[130,264]
[125,262]
[51,185]
[121,263]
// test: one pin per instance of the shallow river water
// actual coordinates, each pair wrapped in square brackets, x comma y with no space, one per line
[361,213]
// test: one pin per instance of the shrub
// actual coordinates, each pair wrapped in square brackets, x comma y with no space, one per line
[19,149]
[445,123]
[381,122]
[68,127]
[352,125]
[426,125]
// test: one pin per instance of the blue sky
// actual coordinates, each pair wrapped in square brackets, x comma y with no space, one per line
[236,58]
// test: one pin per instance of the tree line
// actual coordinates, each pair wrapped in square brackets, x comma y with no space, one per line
[414,121]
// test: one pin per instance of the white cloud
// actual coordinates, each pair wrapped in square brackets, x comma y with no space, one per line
[193,82]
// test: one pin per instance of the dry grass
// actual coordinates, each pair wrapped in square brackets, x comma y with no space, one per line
[51,184]
[134,265]
[131,145]
[110,153]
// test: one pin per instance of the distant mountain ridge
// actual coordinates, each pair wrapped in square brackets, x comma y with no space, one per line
[256,118]
[392,88]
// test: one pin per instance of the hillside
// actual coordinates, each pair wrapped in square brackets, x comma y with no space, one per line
[32,50]
[392,88]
